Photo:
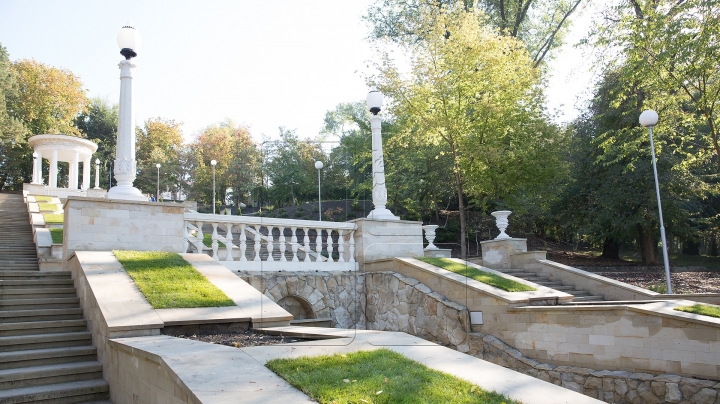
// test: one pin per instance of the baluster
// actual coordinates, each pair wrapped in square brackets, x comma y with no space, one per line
[257,242]
[186,234]
[201,238]
[270,242]
[215,241]
[319,245]
[243,243]
[341,247]
[283,246]
[351,258]
[330,246]
[228,241]
[306,241]
[294,244]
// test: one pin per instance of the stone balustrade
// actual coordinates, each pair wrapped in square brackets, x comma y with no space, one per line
[258,243]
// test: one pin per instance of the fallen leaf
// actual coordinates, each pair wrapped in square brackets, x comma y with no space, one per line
[386,380]
[346,380]
[364,401]
[354,381]
[380,392]
[343,355]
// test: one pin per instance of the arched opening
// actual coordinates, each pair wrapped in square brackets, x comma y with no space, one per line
[297,306]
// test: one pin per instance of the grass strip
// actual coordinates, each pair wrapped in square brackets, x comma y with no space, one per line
[207,240]
[170,282]
[43,198]
[379,376]
[491,279]
[53,218]
[702,309]
[57,235]
[47,206]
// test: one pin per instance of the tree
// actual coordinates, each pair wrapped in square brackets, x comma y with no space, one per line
[541,25]
[290,169]
[99,123]
[159,142]
[12,132]
[476,93]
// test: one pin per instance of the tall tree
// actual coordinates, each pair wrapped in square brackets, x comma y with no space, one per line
[291,168]
[159,142]
[99,123]
[12,132]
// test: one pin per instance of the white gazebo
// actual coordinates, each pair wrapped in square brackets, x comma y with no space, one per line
[71,149]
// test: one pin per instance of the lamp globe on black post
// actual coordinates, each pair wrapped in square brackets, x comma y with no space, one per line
[319,166]
[157,192]
[649,119]
[213,163]
[97,173]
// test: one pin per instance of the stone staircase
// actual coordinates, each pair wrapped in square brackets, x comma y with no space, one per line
[579,294]
[46,352]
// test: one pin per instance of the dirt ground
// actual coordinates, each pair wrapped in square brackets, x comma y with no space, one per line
[243,340]
[683,282]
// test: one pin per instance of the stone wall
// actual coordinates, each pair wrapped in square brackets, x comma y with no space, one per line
[336,295]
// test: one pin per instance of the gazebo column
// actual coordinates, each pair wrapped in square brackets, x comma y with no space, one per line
[53,169]
[73,179]
[86,173]
[36,157]
[39,178]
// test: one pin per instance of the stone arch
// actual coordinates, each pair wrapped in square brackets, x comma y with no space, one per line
[300,308]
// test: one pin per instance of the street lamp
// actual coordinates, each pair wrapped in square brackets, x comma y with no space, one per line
[97,173]
[379,191]
[157,193]
[648,119]
[213,163]
[125,167]
[319,166]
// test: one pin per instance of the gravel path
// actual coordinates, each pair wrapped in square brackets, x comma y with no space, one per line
[243,340]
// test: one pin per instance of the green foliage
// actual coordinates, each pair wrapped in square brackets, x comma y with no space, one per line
[53,218]
[168,281]
[99,123]
[207,240]
[481,276]
[14,152]
[379,376]
[57,235]
[702,309]
[658,288]
[159,142]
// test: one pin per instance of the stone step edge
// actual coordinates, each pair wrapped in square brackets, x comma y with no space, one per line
[60,390]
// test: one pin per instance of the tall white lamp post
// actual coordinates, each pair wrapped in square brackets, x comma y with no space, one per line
[649,119]
[213,163]
[97,173]
[129,41]
[157,192]
[319,166]
[379,191]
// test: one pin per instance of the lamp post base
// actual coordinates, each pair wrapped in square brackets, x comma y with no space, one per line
[125,192]
[382,214]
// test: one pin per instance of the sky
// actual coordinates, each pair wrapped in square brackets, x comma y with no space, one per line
[261,64]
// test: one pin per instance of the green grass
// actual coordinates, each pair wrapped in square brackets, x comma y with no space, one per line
[480,276]
[53,218]
[207,240]
[43,198]
[379,376]
[170,282]
[57,235]
[702,309]
[47,206]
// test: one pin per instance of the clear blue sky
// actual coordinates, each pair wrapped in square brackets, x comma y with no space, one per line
[263,64]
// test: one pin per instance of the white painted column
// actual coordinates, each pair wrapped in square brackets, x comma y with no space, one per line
[97,176]
[35,167]
[73,178]
[39,179]
[379,191]
[86,173]
[125,168]
[53,169]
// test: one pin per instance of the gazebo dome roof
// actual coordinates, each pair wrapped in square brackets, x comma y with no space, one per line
[66,146]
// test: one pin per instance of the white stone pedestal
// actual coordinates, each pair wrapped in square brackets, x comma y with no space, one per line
[378,239]
[439,253]
[496,253]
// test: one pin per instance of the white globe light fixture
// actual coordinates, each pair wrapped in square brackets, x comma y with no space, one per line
[97,173]
[129,41]
[319,166]
[213,163]
[649,119]
[379,191]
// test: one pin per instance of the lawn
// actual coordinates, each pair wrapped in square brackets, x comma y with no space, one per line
[480,276]
[169,282]
[379,376]
[57,235]
[43,198]
[702,309]
[47,206]
[207,240]
[53,218]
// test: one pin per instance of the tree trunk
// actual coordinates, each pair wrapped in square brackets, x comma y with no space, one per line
[647,246]
[713,245]
[611,249]
[461,205]
[691,248]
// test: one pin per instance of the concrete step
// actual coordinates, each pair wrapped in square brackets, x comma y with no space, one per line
[49,374]
[24,316]
[53,340]
[588,298]
[36,304]
[43,293]
[42,327]
[48,356]
[35,283]
[63,393]
[22,275]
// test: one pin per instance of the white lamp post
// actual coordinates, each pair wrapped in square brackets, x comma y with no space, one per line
[379,191]
[213,163]
[35,174]
[648,119]
[129,41]
[319,166]
[157,192]
[97,173]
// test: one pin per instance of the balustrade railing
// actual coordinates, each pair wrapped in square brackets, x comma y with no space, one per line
[259,243]
[62,192]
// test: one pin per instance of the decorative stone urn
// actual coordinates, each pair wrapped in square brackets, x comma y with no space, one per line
[501,221]
[430,236]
